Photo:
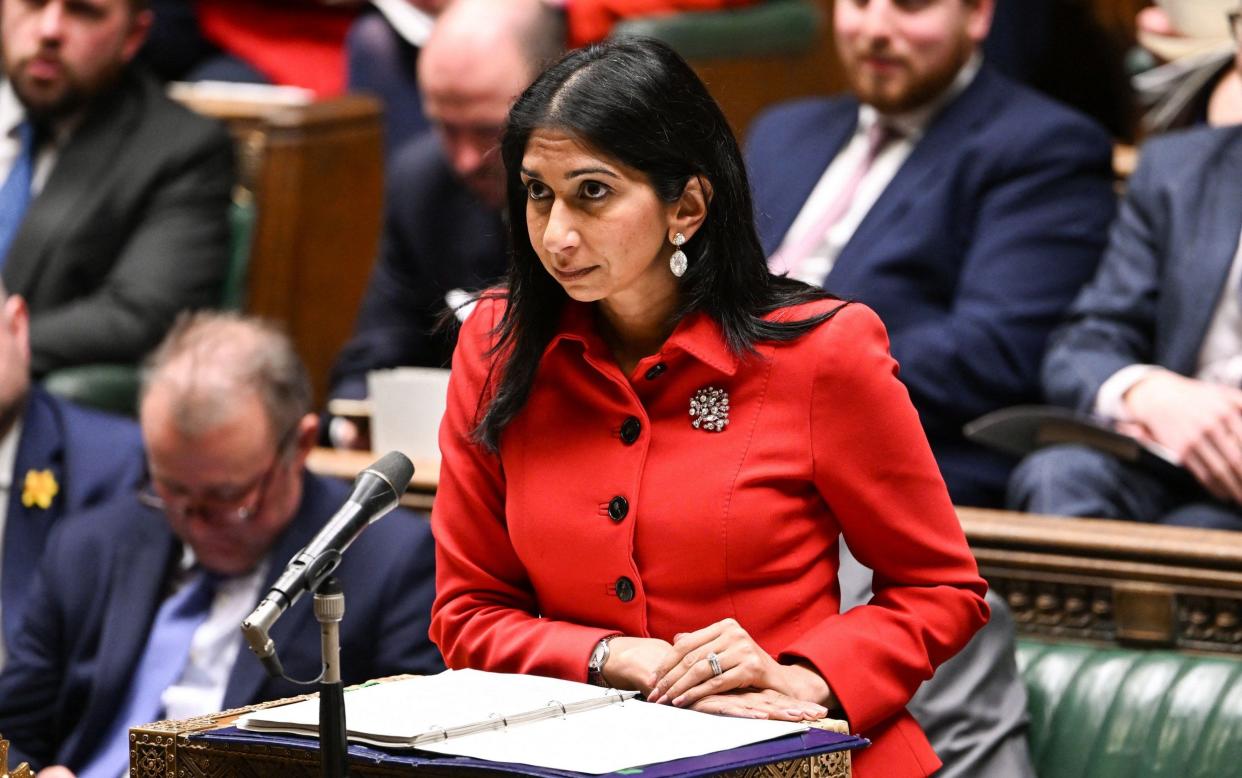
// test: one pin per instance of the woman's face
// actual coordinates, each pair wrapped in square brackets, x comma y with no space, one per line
[597,225]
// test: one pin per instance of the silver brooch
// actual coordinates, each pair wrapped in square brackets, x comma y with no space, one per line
[709,409]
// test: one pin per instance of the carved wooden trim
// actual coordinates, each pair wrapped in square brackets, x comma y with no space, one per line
[1111,581]
[21,771]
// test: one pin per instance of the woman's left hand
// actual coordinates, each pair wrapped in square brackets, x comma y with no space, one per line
[688,675]
[767,704]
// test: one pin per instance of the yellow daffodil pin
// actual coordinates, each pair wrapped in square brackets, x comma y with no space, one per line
[39,489]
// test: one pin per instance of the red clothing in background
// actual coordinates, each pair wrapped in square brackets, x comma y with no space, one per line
[822,441]
[591,20]
[302,43]
[299,44]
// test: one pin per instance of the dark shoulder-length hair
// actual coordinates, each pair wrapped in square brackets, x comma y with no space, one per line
[635,100]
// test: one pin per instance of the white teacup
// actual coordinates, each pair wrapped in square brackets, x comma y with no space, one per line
[1200,18]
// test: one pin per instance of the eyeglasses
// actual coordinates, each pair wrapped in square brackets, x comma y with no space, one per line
[235,507]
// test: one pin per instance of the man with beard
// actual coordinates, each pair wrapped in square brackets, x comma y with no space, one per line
[967,211]
[964,208]
[114,207]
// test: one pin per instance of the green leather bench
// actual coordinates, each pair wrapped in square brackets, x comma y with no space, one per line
[776,28]
[1099,712]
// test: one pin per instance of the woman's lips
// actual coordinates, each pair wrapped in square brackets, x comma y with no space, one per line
[572,275]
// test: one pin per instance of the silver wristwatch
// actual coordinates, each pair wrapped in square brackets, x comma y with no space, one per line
[595,665]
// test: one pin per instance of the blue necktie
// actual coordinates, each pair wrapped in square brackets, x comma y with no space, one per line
[15,194]
[163,660]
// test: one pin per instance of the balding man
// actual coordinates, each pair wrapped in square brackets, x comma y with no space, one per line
[443,234]
[136,608]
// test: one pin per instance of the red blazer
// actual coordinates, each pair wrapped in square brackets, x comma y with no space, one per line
[822,441]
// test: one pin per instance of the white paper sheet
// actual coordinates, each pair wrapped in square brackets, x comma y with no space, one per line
[624,735]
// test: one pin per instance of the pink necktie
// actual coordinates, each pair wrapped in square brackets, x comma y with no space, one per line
[789,258]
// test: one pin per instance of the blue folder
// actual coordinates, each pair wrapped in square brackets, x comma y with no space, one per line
[799,746]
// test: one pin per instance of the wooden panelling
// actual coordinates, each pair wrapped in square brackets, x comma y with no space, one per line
[316,175]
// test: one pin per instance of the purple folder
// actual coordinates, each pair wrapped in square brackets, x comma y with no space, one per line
[809,743]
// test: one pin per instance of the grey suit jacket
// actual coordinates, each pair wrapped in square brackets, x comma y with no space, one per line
[130,228]
[1162,276]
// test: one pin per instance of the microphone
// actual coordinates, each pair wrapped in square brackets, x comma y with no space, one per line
[377,490]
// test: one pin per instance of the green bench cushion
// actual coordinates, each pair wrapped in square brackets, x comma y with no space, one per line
[1130,713]
[777,28]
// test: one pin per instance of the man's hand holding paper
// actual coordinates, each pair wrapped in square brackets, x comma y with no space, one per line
[1200,422]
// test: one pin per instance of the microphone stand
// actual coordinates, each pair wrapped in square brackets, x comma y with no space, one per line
[329,610]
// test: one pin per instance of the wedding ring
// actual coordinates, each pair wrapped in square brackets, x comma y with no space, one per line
[714,661]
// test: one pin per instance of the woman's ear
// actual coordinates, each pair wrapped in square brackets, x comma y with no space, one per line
[689,211]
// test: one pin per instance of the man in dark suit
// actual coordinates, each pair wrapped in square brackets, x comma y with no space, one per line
[1155,343]
[967,211]
[969,234]
[443,233]
[55,460]
[135,611]
[114,213]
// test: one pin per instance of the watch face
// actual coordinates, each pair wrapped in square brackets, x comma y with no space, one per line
[597,656]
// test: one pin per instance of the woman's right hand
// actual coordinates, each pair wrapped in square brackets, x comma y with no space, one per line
[632,662]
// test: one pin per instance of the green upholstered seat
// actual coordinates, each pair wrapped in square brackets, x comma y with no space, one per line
[776,28]
[113,387]
[1131,713]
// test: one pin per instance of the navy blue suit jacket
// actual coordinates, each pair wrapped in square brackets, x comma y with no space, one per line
[1162,276]
[970,256]
[437,237]
[101,582]
[92,456]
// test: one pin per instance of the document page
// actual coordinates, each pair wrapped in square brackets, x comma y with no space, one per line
[615,737]
[399,711]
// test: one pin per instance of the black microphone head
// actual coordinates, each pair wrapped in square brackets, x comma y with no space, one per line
[395,468]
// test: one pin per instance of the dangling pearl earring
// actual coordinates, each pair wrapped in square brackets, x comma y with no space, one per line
[678,263]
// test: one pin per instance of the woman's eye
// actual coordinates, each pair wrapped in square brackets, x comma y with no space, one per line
[536,190]
[593,190]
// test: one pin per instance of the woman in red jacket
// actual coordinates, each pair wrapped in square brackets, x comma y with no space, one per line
[652,445]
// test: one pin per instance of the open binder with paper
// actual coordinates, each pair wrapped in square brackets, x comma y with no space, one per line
[526,719]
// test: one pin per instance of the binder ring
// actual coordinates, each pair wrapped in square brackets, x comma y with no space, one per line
[557,704]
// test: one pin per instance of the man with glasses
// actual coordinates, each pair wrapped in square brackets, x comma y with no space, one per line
[55,460]
[136,608]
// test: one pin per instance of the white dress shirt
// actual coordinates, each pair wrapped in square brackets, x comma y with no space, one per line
[215,645]
[12,114]
[1220,356]
[911,126]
